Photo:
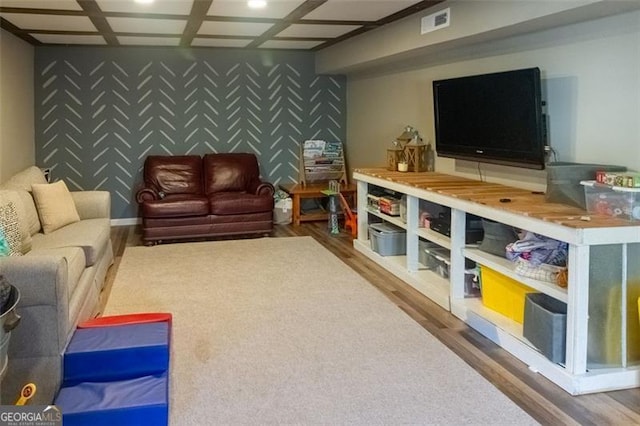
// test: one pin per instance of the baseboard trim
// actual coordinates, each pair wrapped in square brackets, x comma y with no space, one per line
[128,221]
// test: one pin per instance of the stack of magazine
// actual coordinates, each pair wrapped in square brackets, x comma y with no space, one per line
[322,160]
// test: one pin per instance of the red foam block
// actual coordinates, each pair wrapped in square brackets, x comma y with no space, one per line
[140,318]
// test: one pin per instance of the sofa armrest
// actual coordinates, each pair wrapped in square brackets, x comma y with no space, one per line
[43,306]
[147,194]
[92,204]
[262,188]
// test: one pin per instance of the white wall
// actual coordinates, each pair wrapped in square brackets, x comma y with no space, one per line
[17,145]
[591,81]
[470,20]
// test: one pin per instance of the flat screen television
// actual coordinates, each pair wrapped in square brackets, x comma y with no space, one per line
[491,118]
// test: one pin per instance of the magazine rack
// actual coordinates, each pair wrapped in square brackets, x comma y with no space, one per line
[322,161]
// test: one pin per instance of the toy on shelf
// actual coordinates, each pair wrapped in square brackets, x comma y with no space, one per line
[332,193]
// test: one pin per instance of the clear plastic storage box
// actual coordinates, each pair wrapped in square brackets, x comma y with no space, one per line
[616,201]
[437,259]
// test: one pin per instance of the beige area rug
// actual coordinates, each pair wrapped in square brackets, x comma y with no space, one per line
[280,331]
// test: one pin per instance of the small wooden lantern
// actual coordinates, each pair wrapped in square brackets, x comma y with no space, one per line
[394,156]
[415,151]
[406,135]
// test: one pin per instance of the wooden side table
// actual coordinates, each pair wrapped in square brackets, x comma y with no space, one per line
[297,192]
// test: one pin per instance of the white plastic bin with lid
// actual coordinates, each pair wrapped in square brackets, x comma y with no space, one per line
[616,201]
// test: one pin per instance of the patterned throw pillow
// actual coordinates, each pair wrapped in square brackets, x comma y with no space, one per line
[4,245]
[10,228]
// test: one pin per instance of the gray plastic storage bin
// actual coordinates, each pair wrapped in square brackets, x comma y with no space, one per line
[563,181]
[387,239]
[545,325]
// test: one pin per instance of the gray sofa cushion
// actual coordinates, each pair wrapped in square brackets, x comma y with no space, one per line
[75,258]
[91,235]
[25,178]
[22,183]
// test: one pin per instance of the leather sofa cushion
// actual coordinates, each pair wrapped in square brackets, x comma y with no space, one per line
[179,205]
[159,222]
[228,203]
[230,172]
[174,174]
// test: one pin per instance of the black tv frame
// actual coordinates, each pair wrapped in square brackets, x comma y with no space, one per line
[533,156]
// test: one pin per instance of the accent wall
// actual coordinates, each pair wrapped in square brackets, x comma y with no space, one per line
[101,111]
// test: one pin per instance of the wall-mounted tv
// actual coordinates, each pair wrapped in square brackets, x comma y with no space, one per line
[492,118]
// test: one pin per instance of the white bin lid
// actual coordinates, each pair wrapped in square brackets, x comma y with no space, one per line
[594,184]
[387,228]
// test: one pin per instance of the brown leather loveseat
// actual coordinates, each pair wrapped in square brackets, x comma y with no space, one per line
[186,197]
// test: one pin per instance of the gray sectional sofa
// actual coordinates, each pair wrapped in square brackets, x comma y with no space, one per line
[60,276]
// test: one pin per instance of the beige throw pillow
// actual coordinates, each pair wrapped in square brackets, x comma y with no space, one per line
[55,205]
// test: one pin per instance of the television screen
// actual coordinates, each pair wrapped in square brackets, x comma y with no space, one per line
[492,118]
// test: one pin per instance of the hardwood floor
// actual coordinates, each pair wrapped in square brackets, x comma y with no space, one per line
[542,399]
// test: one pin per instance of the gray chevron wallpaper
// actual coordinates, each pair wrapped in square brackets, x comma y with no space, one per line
[101,111]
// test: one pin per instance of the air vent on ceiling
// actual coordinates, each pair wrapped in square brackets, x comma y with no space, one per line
[435,21]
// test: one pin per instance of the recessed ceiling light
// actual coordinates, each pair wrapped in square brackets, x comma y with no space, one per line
[143,1]
[257,4]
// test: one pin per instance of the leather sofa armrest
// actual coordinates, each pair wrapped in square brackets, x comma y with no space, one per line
[263,188]
[147,194]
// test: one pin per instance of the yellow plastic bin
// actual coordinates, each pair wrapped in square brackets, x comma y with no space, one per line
[503,294]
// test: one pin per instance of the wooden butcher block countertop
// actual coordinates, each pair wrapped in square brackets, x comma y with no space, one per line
[524,202]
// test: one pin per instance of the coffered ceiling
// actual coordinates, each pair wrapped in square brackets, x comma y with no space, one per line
[281,24]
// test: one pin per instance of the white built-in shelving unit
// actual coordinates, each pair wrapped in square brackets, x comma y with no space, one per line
[579,374]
